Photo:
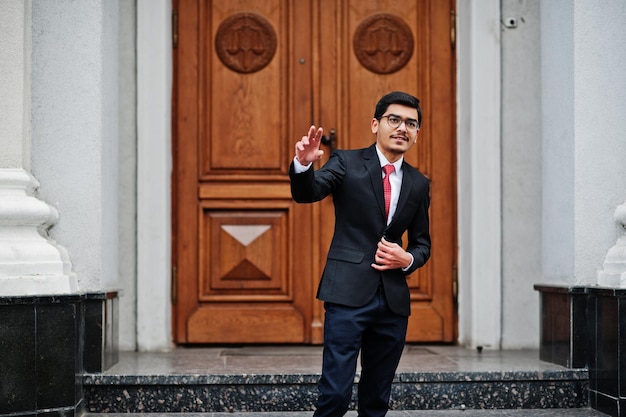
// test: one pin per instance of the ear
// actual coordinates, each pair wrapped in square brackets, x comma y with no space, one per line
[416,135]
[374,125]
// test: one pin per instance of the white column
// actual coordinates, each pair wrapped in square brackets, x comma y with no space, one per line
[583,106]
[479,173]
[30,263]
[599,125]
[154,167]
[75,130]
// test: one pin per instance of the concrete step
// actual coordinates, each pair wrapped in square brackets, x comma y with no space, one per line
[283,381]
[296,392]
[576,412]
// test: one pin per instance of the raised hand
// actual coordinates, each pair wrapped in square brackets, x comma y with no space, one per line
[308,148]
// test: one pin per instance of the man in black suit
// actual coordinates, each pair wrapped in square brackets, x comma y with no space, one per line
[363,286]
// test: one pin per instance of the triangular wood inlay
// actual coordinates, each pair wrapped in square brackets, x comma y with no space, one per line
[245,234]
[245,271]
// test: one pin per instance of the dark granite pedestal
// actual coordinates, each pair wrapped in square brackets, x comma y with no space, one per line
[101,342]
[45,342]
[564,325]
[586,327]
[607,359]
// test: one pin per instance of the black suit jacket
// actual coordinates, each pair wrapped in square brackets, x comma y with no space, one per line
[354,178]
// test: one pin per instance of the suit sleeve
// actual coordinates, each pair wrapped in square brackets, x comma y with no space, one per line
[418,232]
[314,185]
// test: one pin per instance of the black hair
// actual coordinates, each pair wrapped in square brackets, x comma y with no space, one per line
[398,97]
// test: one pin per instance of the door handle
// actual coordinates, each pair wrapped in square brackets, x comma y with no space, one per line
[330,140]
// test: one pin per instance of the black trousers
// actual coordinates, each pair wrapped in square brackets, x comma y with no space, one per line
[379,335]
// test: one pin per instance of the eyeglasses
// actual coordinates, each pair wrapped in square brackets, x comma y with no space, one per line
[395,121]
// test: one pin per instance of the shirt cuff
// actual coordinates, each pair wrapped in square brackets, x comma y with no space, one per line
[298,168]
[411,264]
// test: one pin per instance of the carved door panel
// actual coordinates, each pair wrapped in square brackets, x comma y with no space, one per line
[241,273]
[250,76]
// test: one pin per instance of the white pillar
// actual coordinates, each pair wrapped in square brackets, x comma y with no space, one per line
[75,130]
[479,174]
[30,263]
[154,167]
[583,106]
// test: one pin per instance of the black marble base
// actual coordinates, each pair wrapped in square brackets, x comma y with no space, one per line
[607,365]
[261,393]
[42,343]
[586,326]
[564,325]
[101,347]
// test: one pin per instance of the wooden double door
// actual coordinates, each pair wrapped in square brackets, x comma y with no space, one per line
[250,77]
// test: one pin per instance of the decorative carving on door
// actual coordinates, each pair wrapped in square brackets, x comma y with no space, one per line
[383,43]
[236,244]
[245,42]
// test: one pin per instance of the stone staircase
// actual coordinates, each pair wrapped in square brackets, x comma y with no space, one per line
[282,381]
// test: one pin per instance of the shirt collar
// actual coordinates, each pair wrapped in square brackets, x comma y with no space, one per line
[383,161]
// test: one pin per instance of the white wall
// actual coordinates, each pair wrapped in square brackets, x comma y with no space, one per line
[479,189]
[521,173]
[154,169]
[557,72]
[583,58]
[563,150]
[600,126]
[127,243]
[75,130]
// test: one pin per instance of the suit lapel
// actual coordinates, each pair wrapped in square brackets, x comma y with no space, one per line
[372,164]
[407,184]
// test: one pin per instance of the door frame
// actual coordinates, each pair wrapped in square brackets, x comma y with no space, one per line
[478,268]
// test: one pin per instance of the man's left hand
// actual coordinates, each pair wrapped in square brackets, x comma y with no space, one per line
[390,255]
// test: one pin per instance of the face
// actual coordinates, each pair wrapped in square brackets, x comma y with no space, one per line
[394,142]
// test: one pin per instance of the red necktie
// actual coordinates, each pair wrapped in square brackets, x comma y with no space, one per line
[388,169]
